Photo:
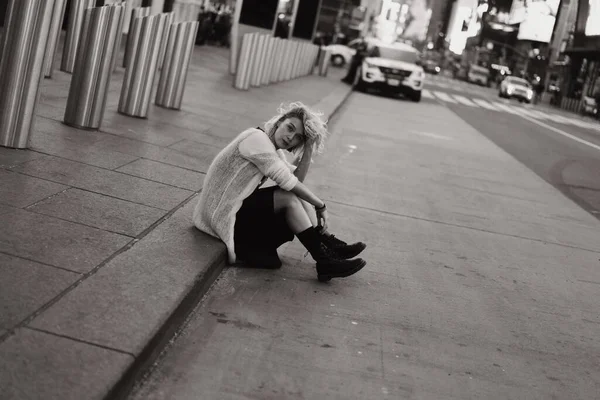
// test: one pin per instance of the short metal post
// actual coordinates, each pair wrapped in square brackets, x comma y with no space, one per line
[73,33]
[179,49]
[94,65]
[291,60]
[324,57]
[163,44]
[58,14]
[136,13]
[277,56]
[245,61]
[269,56]
[285,59]
[139,77]
[258,61]
[24,40]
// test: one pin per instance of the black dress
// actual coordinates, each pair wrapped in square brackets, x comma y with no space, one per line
[258,228]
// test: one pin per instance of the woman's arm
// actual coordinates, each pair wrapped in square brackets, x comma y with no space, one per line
[302,168]
[305,194]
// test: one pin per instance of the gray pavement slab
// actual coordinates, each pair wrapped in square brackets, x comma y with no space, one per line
[19,190]
[37,365]
[26,286]
[145,131]
[99,211]
[11,157]
[164,173]
[109,183]
[164,155]
[77,145]
[56,242]
[124,303]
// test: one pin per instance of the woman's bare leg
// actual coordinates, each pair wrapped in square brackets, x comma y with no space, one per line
[295,214]
[310,211]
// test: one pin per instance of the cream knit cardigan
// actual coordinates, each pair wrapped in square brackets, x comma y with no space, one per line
[232,176]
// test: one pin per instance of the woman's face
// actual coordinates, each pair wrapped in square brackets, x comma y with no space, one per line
[289,133]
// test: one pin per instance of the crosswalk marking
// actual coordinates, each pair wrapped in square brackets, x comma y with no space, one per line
[444,96]
[464,100]
[505,107]
[427,94]
[484,104]
[525,112]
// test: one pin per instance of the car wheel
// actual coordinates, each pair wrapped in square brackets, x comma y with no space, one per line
[500,94]
[416,97]
[337,60]
[359,85]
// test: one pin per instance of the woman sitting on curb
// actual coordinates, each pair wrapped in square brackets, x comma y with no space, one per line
[252,221]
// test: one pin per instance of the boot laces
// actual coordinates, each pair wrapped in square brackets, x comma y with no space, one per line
[332,241]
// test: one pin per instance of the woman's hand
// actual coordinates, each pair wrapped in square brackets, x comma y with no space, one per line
[322,218]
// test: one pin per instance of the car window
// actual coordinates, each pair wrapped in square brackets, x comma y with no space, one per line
[518,81]
[394,54]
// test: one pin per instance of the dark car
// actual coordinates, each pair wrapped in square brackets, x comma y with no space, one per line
[431,67]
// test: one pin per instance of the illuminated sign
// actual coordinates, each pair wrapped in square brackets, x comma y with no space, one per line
[536,18]
[592,25]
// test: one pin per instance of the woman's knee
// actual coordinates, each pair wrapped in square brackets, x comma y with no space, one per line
[286,200]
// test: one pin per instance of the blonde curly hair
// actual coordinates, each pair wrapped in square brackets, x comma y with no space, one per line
[315,128]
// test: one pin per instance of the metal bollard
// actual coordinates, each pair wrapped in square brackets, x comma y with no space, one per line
[300,60]
[73,33]
[269,56]
[23,46]
[314,59]
[291,60]
[163,44]
[136,13]
[258,61]
[324,57]
[141,71]
[58,14]
[277,54]
[245,61]
[94,65]
[179,49]
[285,59]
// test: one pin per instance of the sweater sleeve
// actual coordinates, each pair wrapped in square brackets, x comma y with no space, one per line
[258,149]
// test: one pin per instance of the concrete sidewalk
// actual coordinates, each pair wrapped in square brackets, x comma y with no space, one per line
[99,260]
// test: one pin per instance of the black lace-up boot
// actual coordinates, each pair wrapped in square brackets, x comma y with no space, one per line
[342,249]
[328,264]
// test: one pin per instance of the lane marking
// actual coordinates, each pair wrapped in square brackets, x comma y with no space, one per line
[464,100]
[505,107]
[444,96]
[484,104]
[427,94]
[561,132]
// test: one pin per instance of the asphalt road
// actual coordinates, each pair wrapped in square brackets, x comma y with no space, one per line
[483,280]
[572,167]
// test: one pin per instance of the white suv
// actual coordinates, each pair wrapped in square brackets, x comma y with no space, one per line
[393,68]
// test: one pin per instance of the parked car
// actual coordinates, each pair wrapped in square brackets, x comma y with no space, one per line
[479,75]
[514,87]
[341,54]
[431,67]
[393,68]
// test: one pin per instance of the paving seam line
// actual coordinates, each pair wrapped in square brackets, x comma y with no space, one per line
[151,352]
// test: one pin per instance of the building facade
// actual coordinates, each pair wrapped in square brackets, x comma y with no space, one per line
[581,81]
